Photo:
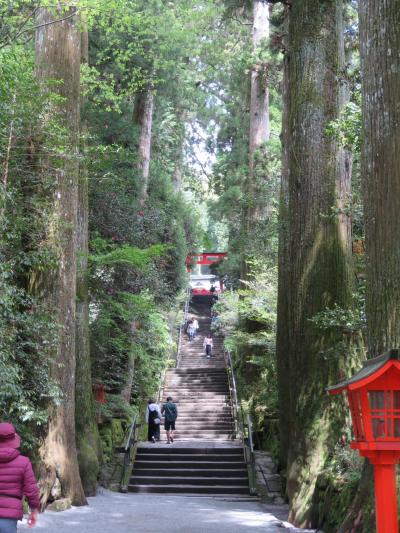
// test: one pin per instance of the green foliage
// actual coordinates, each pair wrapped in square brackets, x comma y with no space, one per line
[28,331]
[253,350]
[129,327]
[346,464]
[128,255]
[115,407]
[348,321]
[347,129]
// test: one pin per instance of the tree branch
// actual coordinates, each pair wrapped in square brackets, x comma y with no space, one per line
[18,34]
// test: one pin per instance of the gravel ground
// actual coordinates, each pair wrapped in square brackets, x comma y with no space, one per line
[112,512]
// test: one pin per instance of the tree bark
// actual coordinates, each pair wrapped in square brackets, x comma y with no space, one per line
[258,132]
[181,115]
[380,169]
[380,56]
[58,58]
[259,105]
[143,116]
[282,339]
[87,434]
[315,251]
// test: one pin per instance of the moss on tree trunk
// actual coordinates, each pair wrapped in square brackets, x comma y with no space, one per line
[315,253]
[87,434]
[380,162]
[58,58]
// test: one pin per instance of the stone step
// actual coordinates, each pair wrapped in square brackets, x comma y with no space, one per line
[182,480]
[205,394]
[209,402]
[188,460]
[189,422]
[154,454]
[186,417]
[190,489]
[186,387]
[228,473]
[185,430]
[196,381]
[182,434]
[202,365]
[198,372]
[190,408]
[197,449]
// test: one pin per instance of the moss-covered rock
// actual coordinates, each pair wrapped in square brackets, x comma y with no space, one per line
[88,466]
[106,442]
[117,430]
[60,505]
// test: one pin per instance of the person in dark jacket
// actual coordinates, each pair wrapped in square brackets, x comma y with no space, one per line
[170,413]
[153,419]
[16,480]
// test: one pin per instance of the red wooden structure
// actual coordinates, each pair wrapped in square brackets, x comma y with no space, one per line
[98,391]
[374,399]
[202,277]
[205,258]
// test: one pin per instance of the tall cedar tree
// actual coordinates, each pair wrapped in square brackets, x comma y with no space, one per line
[143,116]
[87,434]
[58,54]
[316,250]
[380,160]
[259,123]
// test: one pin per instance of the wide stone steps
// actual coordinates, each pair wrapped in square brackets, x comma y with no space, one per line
[204,458]
[190,489]
[201,470]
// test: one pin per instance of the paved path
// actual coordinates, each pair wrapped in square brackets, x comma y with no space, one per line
[112,512]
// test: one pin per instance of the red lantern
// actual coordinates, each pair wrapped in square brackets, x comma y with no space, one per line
[374,399]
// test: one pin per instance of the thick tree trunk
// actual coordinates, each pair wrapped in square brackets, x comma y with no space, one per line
[258,133]
[58,58]
[87,435]
[282,339]
[316,245]
[380,55]
[380,169]
[143,116]
[259,110]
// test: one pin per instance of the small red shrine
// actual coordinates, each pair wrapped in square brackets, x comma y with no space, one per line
[98,392]
[374,399]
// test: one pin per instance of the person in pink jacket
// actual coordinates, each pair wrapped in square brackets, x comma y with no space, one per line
[16,480]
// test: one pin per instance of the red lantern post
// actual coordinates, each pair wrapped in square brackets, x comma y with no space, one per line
[374,400]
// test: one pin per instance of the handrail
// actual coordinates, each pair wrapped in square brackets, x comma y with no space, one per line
[233,390]
[129,456]
[242,424]
[181,327]
[131,431]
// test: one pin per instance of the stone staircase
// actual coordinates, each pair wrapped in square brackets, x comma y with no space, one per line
[204,458]
[190,470]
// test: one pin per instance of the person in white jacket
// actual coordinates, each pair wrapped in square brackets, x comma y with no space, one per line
[153,419]
[196,326]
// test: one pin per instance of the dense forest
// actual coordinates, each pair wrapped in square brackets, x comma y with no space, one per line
[134,132]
